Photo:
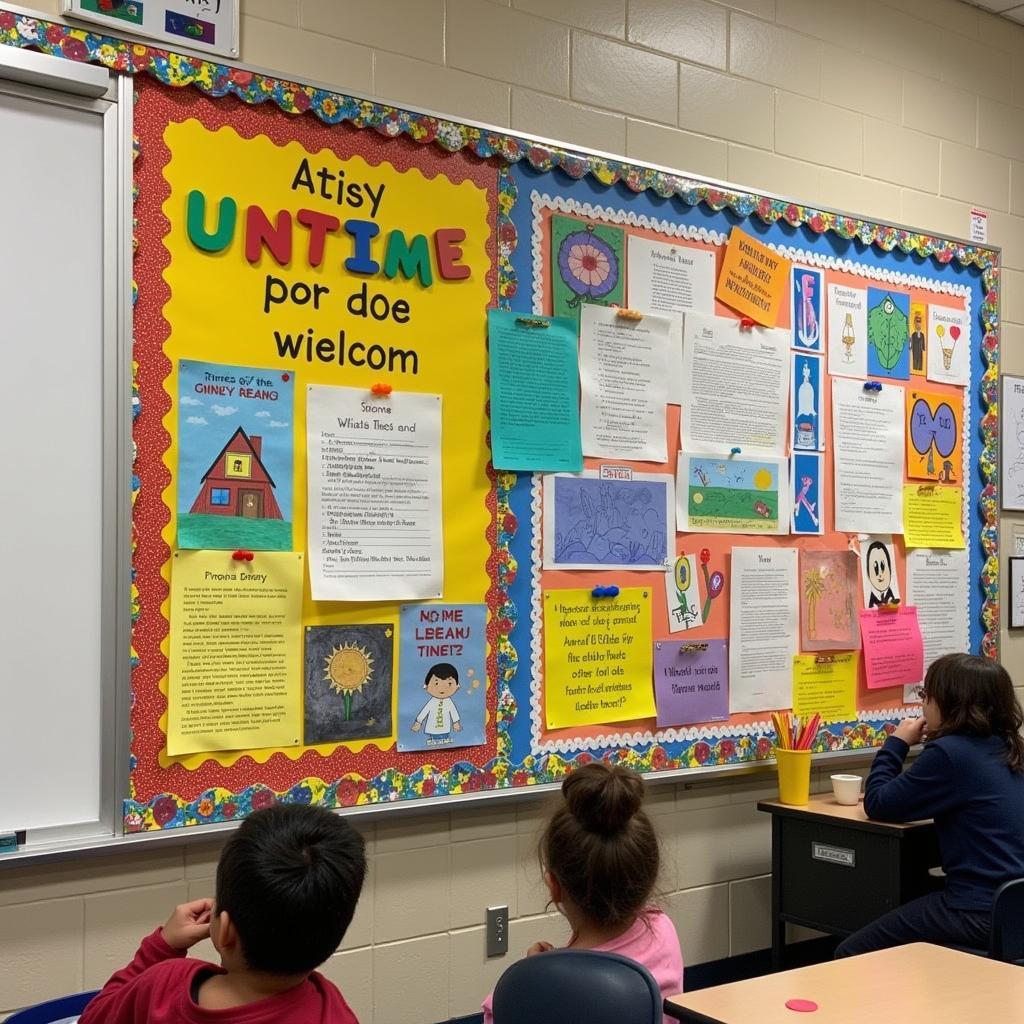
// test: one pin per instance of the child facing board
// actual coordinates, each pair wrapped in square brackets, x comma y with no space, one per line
[970,779]
[287,886]
[600,859]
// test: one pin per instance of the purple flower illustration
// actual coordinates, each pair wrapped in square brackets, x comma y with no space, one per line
[588,265]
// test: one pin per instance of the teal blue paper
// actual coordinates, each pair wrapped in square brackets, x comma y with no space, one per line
[535,393]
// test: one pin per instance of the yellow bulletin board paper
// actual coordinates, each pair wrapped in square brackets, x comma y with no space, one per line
[312,318]
[235,667]
[825,685]
[754,278]
[932,516]
[598,657]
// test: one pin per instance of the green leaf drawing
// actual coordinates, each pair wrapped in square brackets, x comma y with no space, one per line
[888,331]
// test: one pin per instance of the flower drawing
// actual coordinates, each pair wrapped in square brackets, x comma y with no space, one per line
[588,265]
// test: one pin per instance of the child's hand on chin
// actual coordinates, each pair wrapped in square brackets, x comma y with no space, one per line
[539,947]
[911,730]
[188,924]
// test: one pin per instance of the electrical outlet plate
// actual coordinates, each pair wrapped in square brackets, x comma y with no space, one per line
[497,931]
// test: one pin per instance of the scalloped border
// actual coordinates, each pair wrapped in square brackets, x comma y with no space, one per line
[332,108]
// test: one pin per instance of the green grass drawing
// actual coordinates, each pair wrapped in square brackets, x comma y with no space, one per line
[733,503]
[197,531]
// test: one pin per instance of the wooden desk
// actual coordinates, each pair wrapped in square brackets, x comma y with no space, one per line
[836,870]
[909,984]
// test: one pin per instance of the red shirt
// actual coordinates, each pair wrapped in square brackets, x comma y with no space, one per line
[155,988]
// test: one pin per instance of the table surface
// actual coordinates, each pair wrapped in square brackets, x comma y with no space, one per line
[824,806]
[909,984]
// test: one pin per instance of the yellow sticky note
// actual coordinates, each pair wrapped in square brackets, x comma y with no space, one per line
[932,516]
[826,685]
[235,678]
[753,279]
[598,657]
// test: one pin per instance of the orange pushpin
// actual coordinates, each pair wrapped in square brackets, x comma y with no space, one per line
[381,389]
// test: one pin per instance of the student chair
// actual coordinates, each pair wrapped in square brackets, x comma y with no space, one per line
[577,985]
[1006,933]
[1006,940]
[56,1011]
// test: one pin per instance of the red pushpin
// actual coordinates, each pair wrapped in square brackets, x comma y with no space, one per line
[747,322]
[381,389]
[243,556]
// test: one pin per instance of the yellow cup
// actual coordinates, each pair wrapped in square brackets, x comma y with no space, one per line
[794,776]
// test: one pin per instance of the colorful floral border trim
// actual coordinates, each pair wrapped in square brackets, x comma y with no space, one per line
[167,810]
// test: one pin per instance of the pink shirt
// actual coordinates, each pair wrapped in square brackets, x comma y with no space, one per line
[652,942]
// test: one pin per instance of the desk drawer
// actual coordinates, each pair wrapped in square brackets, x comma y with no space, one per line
[837,878]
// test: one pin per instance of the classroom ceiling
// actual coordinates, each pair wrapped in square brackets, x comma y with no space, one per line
[1012,9]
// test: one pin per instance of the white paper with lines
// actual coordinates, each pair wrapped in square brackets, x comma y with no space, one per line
[374,479]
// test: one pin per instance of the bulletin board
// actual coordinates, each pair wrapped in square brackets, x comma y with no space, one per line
[263,142]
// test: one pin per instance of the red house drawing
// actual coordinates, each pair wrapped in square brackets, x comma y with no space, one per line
[237,483]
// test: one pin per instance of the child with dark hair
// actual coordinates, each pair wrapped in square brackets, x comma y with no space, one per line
[599,856]
[970,779]
[439,717]
[288,882]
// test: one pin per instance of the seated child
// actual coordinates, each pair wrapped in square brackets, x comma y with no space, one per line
[970,779]
[599,856]
[287,886]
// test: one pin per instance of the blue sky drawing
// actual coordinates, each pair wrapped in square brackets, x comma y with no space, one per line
[733,473]
[207,422]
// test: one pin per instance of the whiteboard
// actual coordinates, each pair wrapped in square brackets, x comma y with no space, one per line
[57,458]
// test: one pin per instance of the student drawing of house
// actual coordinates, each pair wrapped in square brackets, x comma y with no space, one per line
[237,483]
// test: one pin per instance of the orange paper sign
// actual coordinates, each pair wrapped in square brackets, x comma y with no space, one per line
[753,278]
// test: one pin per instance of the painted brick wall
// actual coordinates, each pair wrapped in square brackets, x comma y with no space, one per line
[906,110]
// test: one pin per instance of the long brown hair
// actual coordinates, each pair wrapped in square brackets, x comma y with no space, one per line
[600,845]
[975,698]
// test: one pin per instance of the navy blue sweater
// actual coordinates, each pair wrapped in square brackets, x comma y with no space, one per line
[962,782]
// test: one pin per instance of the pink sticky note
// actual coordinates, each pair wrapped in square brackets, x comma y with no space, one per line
[801,1005]
[893,648]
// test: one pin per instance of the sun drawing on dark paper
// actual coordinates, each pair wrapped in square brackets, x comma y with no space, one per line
[348,669]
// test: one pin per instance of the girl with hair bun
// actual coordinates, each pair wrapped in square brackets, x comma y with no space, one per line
[599,857]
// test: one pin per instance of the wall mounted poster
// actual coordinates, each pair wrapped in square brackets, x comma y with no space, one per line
[588,265]
[888,333]
[949,345]
[1012,443]
[828,600]
[374,481]
[808,424]
[918,339]
[535,393]
[442,688]
[207,25]
[235,427]
[807,319]
[691,682]
[1016,566]
[594,522]
[349,682]
[731,494]
[879,581]
[807,494]
[934,442]
[847,331]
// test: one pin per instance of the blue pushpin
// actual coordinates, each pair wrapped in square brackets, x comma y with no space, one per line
[611,591]
[735,451]
[872,385]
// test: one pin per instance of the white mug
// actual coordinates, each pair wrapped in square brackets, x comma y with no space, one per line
[847,788]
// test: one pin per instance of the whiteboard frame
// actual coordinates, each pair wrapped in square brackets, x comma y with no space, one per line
[72,842]
[115,404]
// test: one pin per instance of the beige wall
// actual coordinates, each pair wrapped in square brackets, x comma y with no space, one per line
[907,110]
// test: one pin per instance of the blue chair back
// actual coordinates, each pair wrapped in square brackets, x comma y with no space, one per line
[1006,940]
[53,1011]
[568,985]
